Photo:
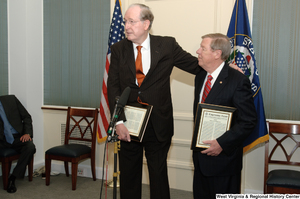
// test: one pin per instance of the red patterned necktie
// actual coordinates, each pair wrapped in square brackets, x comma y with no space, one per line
[206,88]
[139,67]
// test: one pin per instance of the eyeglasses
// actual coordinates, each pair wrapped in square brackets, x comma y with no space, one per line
[130,22]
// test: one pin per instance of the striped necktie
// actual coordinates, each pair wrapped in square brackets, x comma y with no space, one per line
[206,88]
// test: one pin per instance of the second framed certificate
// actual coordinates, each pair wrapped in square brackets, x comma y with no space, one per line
[211,122]
[136,120]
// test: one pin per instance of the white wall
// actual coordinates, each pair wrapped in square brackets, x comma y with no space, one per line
[187,20]
[25,45]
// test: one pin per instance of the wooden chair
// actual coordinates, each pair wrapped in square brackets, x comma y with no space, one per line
[79,143]
[284,181]
[7,156]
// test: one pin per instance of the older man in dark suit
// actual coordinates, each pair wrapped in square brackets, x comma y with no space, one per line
[16,133]
[159,56]
[218,168]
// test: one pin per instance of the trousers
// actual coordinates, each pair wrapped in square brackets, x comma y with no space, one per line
[26,150]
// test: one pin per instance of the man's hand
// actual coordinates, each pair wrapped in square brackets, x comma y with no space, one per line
[214,150]
[123,132]
[236,67]
[25,138]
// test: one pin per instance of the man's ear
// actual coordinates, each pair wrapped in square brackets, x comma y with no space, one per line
[218,54]
[146,24]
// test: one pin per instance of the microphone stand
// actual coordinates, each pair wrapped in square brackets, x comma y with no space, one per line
[113,138]
[115,175]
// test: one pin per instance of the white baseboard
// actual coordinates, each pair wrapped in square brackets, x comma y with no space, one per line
[59,168]
[251,191]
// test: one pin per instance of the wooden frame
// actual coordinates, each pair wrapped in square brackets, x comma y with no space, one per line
[211,122]
[137,121]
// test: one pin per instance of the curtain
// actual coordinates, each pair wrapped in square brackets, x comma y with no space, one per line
[75,45]
[276,38]
[3,48]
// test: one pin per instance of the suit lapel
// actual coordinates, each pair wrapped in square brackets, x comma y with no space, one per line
[6,103]
[155,55]
[129,56]
[218,85]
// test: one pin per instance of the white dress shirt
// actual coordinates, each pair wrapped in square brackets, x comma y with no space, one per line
[146,55]
[214,75]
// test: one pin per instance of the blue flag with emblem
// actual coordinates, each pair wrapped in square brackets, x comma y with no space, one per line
[242,54]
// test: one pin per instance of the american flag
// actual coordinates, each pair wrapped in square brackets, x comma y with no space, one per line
[116,34]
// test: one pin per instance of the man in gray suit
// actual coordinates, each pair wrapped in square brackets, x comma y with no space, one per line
[16,133]
[159,56]
[218,168]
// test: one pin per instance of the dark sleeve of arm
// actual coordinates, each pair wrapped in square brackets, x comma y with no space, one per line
[184,60]
[113,81]
[26,119]
[245,118]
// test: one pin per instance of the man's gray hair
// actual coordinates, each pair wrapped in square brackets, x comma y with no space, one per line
[146,13]
[220,42]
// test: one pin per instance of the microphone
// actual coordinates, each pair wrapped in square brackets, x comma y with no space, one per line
[120,103]
[124,97]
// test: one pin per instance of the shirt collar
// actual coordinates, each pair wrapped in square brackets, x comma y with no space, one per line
[216,73]
[145,44]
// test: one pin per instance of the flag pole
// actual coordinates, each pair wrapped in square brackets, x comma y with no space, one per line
[116,173]
[116,34]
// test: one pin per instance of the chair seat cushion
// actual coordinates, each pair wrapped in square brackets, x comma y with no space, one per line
[7,152]
[69,150]
[284,178]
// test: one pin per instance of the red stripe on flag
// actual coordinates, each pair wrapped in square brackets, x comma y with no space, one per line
[116,34]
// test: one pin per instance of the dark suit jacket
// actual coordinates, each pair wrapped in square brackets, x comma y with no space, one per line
[155,89]
[17,116]
[233,89]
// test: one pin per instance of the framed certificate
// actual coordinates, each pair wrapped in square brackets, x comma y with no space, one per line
[136,120]
[211,122]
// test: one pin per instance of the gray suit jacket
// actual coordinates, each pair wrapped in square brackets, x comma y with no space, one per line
[155,89]
[17,116]
[232,89]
